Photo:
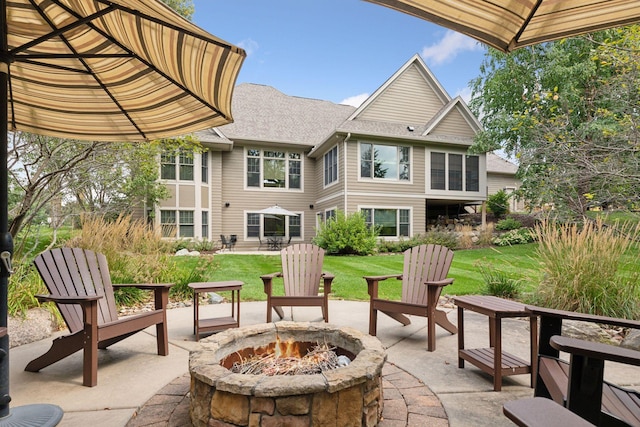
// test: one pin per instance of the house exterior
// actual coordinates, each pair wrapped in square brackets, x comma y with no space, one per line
[400,158]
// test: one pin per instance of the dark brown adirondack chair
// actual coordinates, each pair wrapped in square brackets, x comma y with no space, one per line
[79,283]
[579,385]
[301,274]
[424,275]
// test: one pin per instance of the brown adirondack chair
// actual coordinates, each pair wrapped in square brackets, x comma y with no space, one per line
[301,274]
[79,283]
[424,275]
[579,385]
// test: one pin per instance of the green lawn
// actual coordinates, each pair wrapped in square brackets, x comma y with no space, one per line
[348,270]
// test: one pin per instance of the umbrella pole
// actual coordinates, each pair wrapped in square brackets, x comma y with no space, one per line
[6,243]
[42,414]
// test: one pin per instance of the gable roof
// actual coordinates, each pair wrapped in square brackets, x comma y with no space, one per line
[410,105]
[263,113]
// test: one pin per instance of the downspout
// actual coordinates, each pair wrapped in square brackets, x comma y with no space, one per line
[344,156]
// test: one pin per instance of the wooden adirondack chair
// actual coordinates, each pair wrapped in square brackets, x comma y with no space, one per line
[424,275]
[579,385]
[79,283]
[302,274]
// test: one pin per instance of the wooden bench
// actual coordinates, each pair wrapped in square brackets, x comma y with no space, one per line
[579,385]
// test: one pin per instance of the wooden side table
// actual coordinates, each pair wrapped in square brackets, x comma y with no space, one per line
[493,360]
[217,323]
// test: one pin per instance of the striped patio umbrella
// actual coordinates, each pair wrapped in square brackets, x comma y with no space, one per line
[107,70]
[510,24]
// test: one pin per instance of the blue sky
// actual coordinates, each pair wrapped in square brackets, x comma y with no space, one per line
[336,50]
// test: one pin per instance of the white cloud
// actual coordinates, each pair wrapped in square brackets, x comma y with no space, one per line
[452,44]
[250,46]
[465,94]
[356,100]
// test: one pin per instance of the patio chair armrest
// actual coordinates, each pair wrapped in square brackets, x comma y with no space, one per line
[571,315]
[67,300]
[267,281]
[144,286]
[381,278]
[596,350]
[269,277]
[441,283]
[327,280]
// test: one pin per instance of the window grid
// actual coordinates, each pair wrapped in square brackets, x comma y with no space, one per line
[331,166]
[274,169]
[186,226]
[186,166]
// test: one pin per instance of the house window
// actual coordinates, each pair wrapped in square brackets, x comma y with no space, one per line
[205,224]
[329,214]
[253,225]
[204,165]
[438,169]
[294,226]
[167,165]
[274,169]
[186,226]
[390,222]
[186,166]
[168,223]
[472,171]
[390,162]
[273,225]
[455,172]
[331,166]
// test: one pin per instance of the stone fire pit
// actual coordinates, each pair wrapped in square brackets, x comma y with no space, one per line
[346,396]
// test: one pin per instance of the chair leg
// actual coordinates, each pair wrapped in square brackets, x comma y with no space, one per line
[279,310]
[373,321]
[90,359]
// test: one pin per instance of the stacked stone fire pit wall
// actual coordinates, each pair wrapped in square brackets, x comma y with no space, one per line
[346,396]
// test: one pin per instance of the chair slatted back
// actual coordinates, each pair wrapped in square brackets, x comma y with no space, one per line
[423,263]
[302,269]
[78,272]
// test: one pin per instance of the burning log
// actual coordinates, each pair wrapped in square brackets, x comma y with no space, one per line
[320,358]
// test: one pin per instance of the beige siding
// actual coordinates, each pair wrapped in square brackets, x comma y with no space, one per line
[454,124]
[204,197]
[409,99]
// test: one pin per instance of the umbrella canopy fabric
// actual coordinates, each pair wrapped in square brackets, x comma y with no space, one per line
[117,70]
[510,24]
[276,210]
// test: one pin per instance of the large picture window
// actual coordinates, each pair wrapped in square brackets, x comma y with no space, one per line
[331,166]
[390,222]
[455,172]
[259,225]
[274,169]
[378,161]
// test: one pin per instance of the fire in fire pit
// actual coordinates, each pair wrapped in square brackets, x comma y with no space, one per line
[287,358]
[349,395]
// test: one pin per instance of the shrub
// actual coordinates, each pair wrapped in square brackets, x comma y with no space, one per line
[485,236]
[498,283]
[465,236]
[508,224]
[498,203]
[514,237]
[347,235]
[589,269]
